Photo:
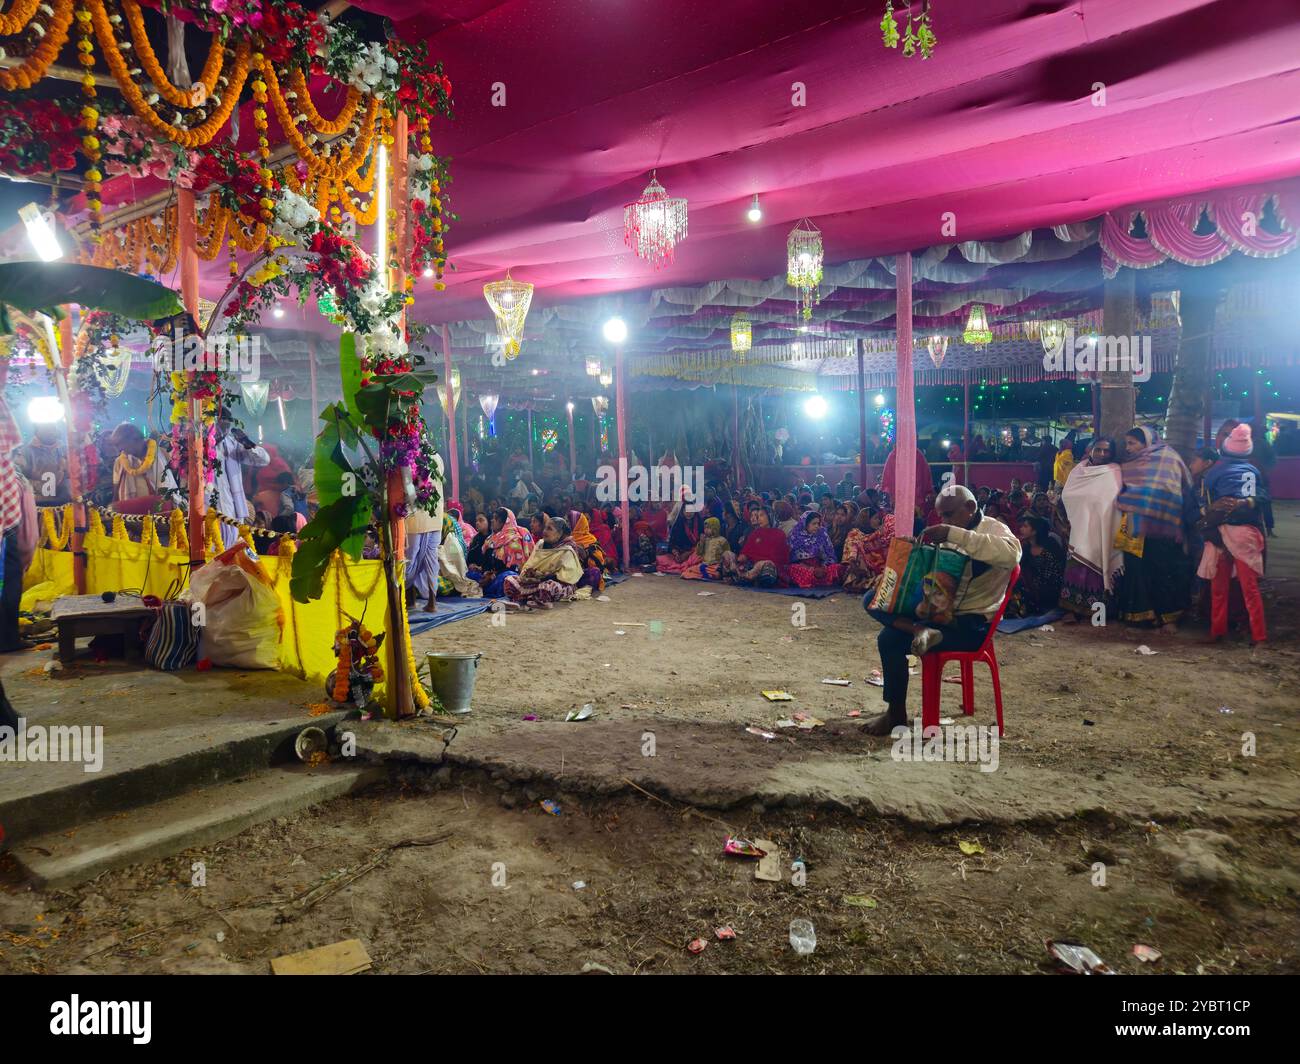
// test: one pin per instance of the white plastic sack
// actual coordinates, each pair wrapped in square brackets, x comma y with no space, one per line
[242,622]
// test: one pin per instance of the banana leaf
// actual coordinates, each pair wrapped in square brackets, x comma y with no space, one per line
[45,286]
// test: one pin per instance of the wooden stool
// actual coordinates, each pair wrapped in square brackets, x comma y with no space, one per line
[90,615]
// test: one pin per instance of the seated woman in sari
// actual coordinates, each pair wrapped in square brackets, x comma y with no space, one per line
[783,511]
[453,570]
[865,549]
[601,528]
[764,558]
[706,561]
[812,558]
[736,526]
[477,553]
[537,524]
[684,531]
[643,547]
[842,518]
[507,549]
[551,573]
[1041,569]
[594,560]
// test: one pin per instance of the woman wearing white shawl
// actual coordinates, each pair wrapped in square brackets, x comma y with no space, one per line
[1089,498]
[452,564]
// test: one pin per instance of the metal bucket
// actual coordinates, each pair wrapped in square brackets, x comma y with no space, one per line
[452,678]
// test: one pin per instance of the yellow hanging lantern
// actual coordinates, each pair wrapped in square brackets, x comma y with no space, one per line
[742,332]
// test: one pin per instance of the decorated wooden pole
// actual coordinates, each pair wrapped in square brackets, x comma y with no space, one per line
[76,482]
[401,698]
[196,468]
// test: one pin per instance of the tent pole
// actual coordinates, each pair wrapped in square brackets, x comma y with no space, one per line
[621,413]
[905,437]
[862,420]
[451,413]
[573,451]
[965,427]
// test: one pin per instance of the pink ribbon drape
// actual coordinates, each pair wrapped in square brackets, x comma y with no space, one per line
[1171,229]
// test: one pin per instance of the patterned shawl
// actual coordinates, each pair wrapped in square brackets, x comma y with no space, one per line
[870,549]
[1154,481]
[512,544]
[805,547]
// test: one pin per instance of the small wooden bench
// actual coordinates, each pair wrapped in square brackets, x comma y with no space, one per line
[89,615]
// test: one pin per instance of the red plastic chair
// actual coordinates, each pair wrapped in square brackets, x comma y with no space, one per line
[932,671]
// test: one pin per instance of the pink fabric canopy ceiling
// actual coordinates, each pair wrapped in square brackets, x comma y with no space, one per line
[1002,127]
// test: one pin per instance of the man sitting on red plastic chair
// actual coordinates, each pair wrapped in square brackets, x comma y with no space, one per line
[994,551]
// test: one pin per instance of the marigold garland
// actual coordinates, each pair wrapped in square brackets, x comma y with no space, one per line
[33,68]
[184,98]
[134,469]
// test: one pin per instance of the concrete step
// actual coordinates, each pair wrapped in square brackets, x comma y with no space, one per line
[49,798]
[197,818]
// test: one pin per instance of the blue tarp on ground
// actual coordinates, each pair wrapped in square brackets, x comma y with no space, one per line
[447,610]
[1011,625]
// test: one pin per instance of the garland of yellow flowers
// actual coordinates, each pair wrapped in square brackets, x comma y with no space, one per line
[134,469]
[33,68]
[57,539]
[89,118]
[212,68]
[177,535]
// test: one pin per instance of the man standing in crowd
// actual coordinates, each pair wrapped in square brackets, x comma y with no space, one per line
[11,515]
[44,462]
[234,450]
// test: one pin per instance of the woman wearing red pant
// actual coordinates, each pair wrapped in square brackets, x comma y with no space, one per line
[1234,535]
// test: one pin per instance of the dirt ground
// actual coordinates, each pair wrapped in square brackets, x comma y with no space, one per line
[1208,877]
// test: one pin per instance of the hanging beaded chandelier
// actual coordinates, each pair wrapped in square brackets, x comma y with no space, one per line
[655,224]
[455,392]
[255,395]
[489,405]
[938,348]
[509,300]
[1052,333]
[977,331]
[803,266]
[606,378]
[742,332]
[593,367]
[600,404]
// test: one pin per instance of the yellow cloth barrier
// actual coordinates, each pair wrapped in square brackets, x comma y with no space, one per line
[353,589]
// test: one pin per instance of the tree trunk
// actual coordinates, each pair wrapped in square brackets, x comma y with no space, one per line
[1119,318]
[1189,395]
